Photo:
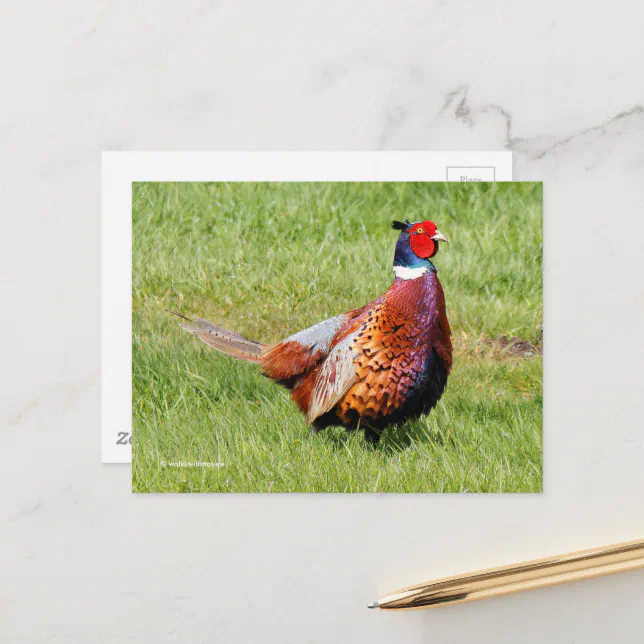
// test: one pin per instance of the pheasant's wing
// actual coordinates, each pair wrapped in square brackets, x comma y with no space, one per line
[337,375]
[301,352]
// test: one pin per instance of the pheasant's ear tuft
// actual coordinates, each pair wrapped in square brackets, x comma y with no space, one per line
[399,225]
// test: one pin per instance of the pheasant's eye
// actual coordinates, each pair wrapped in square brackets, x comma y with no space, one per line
[420,231]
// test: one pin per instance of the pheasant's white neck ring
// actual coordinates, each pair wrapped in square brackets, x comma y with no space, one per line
[406,273]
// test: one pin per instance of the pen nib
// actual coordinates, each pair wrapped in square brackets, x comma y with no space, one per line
[374,605]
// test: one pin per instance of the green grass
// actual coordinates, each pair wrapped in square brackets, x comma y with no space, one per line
[270,259]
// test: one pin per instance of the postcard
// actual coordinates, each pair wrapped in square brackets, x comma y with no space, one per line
[358,335]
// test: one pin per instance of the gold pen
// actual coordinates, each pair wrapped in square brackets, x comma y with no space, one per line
[539,573]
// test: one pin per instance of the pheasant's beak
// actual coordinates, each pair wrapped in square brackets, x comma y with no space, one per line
[438,236]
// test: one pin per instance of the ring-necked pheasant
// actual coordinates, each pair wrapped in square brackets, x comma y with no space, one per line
[383,363]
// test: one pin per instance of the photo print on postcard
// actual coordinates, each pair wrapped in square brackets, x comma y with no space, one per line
[337,337]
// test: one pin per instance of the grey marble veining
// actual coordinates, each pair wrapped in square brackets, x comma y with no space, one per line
[559,84]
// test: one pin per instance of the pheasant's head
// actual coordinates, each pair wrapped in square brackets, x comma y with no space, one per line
[417,243]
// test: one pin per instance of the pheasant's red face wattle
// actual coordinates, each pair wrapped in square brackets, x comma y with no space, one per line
[420,239]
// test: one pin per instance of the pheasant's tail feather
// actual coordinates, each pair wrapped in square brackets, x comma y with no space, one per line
[229,342]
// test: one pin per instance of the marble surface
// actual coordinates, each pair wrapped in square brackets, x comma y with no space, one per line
[560,84]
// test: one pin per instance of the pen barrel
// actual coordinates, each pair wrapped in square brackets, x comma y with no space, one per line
[540,573]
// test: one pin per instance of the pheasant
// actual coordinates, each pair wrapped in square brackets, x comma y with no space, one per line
[381,364]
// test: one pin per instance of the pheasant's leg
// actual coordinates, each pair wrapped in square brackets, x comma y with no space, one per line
[371,435]
[314,430]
